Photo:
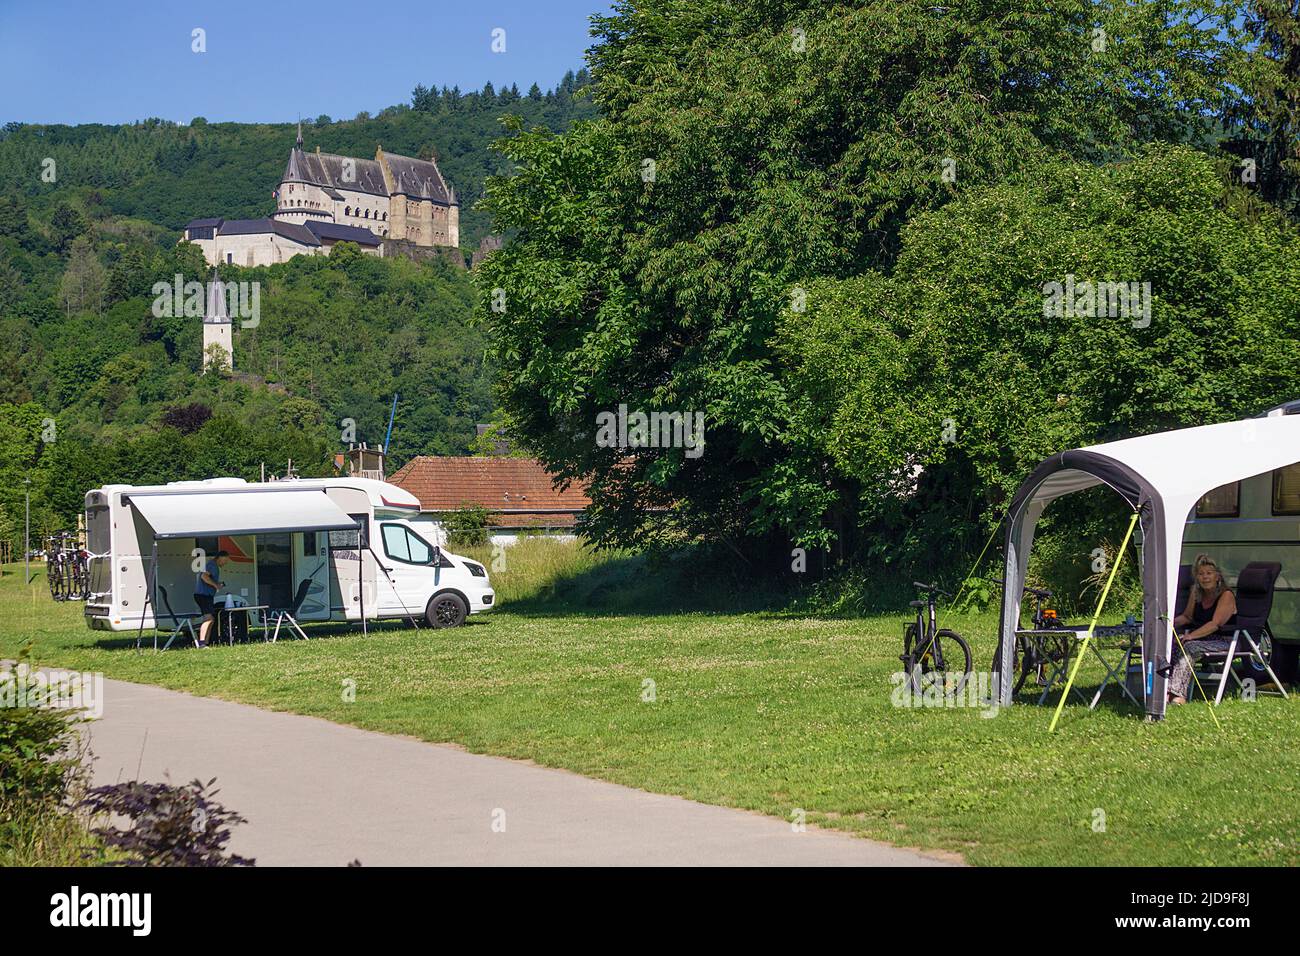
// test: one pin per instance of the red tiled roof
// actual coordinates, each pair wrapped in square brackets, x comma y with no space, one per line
[518,491]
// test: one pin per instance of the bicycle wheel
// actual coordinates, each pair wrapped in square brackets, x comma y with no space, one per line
[69,580]
[908,658]
[80,579]
[1023,663]
[53,578]
[944,663]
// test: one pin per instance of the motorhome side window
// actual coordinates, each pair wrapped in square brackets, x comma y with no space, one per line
[402,544]
[351,538]
[1222,502]
[1286,490]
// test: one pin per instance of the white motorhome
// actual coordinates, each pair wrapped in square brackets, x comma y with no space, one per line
[1256,519]
[336,549]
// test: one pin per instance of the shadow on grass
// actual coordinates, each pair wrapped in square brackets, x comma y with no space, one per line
[315,631]
[645,585]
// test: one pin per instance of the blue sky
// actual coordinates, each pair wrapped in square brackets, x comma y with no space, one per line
[113,61]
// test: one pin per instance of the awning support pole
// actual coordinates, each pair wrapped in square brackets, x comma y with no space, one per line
[361,582]
[1096,615]
[150,580]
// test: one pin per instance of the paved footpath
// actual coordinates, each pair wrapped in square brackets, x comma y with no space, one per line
[316,793]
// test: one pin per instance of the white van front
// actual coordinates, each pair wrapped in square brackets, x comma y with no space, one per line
[417,579]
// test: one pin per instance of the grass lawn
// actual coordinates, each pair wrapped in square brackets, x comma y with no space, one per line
[768,711]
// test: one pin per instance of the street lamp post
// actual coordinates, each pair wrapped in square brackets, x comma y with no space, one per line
[27,533]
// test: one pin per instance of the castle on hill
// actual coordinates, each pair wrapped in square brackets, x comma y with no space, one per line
[324,199]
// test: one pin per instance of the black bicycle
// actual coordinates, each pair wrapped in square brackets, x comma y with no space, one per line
[66,568]
[1040,655]
[933,657]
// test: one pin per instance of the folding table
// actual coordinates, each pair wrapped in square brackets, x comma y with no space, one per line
[1058,668]
[1129,642]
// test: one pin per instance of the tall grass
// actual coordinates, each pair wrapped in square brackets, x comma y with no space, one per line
[538,574]
[41,833]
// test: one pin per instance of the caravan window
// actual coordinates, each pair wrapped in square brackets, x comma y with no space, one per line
[1286,490]
[402,544]
[351,538]
[209,547]
[1222,502]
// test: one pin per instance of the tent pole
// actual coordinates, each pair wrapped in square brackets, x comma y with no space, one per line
[1096,615]
[1208,702]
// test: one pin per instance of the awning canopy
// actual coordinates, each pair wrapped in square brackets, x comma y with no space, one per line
[1161,476]
[207,514]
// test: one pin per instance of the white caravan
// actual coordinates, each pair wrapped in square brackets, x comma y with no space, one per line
[1255,519]
[329,549]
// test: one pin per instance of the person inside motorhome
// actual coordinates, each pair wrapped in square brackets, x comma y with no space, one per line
[206,585]
[1210,608]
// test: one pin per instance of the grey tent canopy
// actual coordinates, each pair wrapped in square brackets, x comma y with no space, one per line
[1160,476]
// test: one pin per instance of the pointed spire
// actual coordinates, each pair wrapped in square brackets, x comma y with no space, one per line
[216,310]
[300,132]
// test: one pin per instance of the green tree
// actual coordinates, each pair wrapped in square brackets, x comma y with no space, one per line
[66,225]
[1270,115]
[84,281]
[13,216]
[920,399]
[745,152]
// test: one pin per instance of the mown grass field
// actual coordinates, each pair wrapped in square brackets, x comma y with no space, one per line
[768,711]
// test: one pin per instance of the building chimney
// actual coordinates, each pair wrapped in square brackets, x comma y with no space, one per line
[365,462]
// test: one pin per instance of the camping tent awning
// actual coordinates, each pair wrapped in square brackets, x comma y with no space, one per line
[1161,476]
[207,514]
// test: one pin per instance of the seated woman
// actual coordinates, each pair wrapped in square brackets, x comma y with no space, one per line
[1210,607]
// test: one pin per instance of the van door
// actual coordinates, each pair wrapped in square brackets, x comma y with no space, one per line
[409,582]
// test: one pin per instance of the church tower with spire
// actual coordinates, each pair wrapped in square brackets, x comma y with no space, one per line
[218,340]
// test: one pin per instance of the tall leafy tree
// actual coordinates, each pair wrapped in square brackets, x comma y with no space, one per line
[746,151]
[1269,116]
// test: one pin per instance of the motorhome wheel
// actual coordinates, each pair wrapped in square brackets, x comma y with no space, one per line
[446,610]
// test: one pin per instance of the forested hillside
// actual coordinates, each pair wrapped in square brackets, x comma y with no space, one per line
[96,386]
[168,174]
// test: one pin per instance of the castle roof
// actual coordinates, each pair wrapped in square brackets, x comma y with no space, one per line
[418,178]
[340,233]
[253,227]
[311,234]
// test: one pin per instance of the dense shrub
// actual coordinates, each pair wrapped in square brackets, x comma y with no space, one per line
[170,825]
[466,527]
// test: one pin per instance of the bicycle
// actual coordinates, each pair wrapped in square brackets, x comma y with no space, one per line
[54,572]
[934,656]
[1040,654]
[67,568]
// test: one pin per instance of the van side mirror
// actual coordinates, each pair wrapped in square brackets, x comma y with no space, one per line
[436,561]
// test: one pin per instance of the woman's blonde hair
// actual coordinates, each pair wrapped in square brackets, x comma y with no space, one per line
[1204,560]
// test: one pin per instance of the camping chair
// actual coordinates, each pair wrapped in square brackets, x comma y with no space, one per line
[1184,588]
[1254,602]
[284,615]
[180,622]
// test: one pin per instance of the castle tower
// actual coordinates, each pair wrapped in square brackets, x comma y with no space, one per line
[217,328]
